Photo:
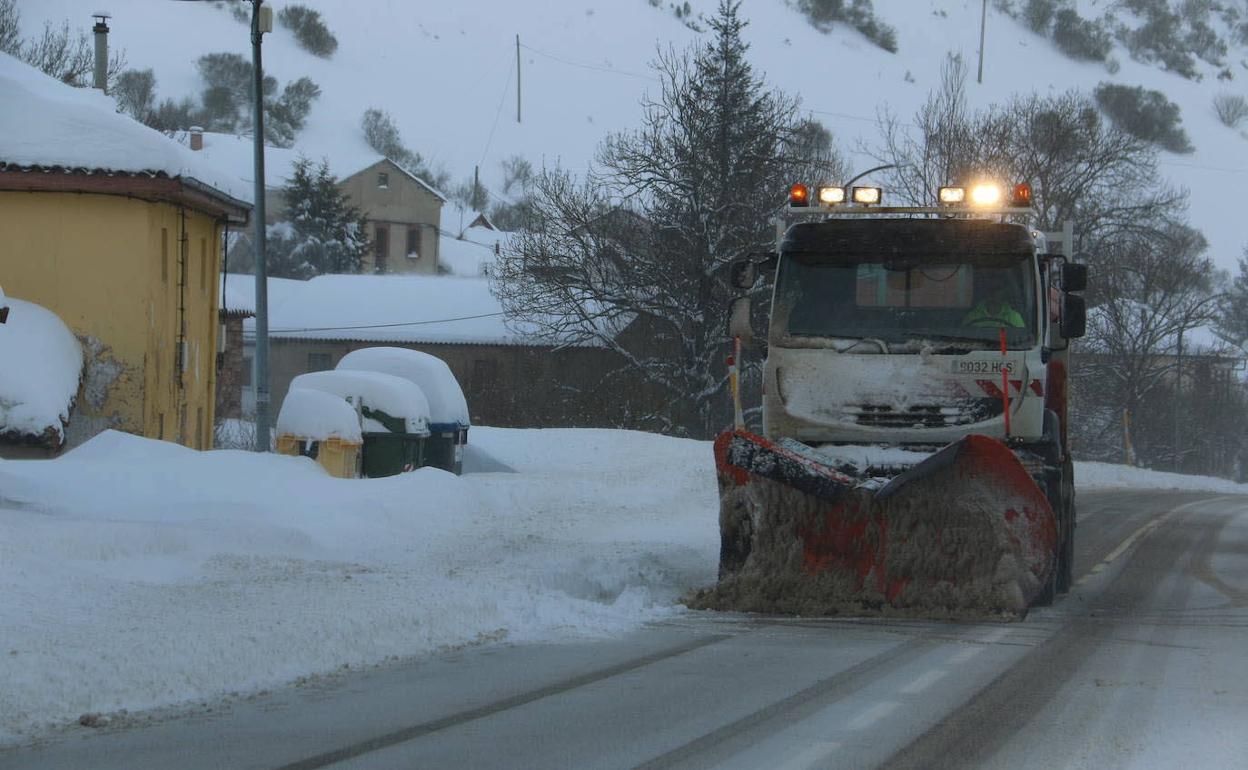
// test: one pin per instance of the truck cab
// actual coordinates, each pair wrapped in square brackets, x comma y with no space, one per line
[914,327]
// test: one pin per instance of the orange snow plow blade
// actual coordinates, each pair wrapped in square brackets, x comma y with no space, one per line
[965,532]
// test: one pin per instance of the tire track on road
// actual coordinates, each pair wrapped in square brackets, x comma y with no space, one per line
[974,732]
[425,728]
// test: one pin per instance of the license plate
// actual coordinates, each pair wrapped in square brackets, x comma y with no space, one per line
[982,367]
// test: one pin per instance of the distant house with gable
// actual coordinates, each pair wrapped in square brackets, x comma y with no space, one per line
[118,231]
[403,211]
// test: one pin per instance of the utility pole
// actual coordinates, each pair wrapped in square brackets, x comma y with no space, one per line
[983,28]
[261,22]
[517,77]
[1178,402]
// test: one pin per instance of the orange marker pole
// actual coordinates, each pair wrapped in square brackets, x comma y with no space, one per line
[1005,384]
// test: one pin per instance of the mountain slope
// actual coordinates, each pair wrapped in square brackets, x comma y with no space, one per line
[446,72]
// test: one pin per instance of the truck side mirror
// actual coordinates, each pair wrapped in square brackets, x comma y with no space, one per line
[1074,276]
[1074,316]
[739,320]
[744,274]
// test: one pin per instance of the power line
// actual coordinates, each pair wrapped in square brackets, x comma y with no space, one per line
[582,65]
[386,326]
[497,113]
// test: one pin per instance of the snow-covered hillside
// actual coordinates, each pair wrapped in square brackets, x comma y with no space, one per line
[446,72]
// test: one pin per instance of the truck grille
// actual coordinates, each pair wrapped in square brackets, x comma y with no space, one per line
[924,415]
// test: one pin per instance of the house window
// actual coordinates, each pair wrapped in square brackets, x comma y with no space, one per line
[319,362]
[164,255]
[383,180]
[203,265]
[413,242]
[381,247]
[246,373]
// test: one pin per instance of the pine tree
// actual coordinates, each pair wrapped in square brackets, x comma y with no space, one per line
[695,189]
[321,233]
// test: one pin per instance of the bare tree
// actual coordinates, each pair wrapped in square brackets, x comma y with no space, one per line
[1153,288]
[68,56]
[1080,168]
[10,28]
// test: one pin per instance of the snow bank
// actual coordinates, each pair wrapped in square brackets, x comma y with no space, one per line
[317,415]
[1090,475]
[395,396]
[40,365]
[48,123]
[429,373]
[134,577]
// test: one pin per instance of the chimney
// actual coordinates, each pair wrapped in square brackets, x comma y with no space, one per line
[197,138]
[101,49]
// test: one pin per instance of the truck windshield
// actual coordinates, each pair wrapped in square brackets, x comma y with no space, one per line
[900,302]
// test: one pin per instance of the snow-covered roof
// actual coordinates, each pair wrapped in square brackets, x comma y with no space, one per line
[47,124]
[395,396]
[238,292]
[234,154]
[472,253]
[317,415]
[387,308]
[40,366]
[429,373]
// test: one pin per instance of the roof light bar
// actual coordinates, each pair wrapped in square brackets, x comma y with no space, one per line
[952,195]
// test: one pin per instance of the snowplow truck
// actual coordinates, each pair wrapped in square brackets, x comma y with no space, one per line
[913,457]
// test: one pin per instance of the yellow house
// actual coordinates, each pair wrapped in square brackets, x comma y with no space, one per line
[119,231]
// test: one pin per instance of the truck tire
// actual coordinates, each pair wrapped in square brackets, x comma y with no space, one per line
[1055,490]
[1066,563]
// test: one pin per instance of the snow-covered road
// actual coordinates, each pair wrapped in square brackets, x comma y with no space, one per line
[1139,666]
[137,574]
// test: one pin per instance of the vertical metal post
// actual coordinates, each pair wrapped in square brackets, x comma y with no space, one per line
[517,78]
[983,28]
[258,244]
[1178,402]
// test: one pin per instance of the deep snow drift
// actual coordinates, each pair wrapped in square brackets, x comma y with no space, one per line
[137,573]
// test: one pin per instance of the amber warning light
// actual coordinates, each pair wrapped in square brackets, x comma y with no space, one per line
[1022,194]
[799,195]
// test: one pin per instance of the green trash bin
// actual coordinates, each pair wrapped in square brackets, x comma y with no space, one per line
[445,446]
[394,451]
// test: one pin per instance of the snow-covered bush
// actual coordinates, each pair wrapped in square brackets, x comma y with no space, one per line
[1081,38]
[1160,38]
[311,33]
[1231,109]
[225,103]
[1146,114]
[1038,15]
[135,92]
[859,14]
[383,136]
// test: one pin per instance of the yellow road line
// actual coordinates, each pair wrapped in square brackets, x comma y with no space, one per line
[1139,533]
